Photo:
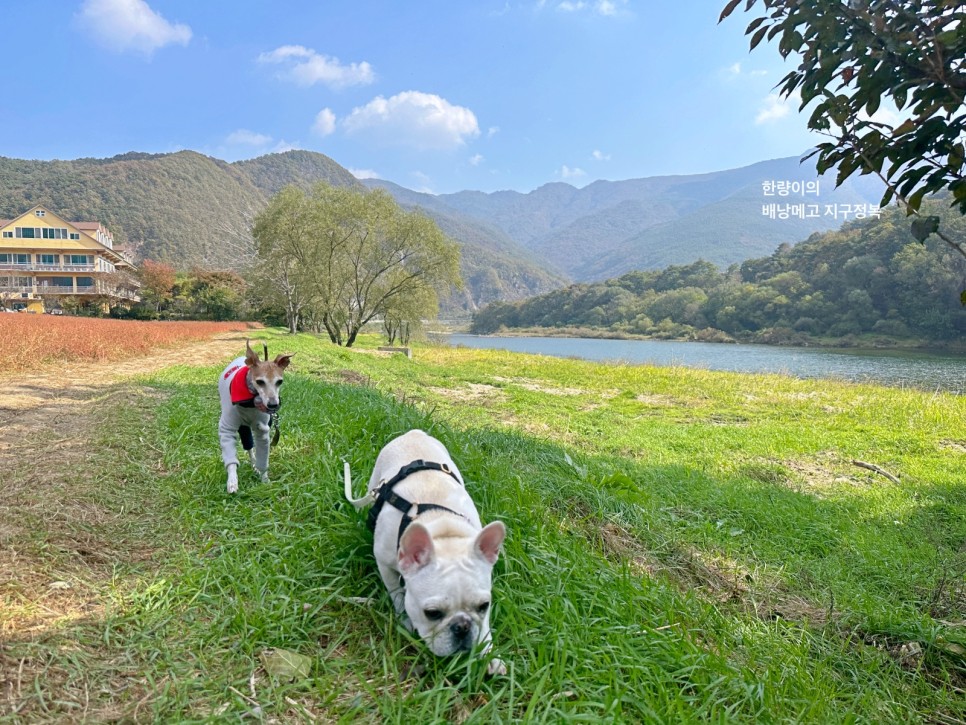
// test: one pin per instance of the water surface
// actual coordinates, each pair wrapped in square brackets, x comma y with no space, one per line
[887,367]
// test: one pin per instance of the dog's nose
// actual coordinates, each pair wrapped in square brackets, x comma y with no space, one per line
[272,406]
[460,627]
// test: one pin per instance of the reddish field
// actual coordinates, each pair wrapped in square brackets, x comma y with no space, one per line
[28,341]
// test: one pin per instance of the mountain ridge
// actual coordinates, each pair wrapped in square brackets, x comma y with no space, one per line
[189,209]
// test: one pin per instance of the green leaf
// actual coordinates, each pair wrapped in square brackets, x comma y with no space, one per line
[728,9]
[923,226]
[284,664]
[619,482]
[962,297]
[756,38]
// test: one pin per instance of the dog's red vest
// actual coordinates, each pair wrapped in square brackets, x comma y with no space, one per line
[239,385]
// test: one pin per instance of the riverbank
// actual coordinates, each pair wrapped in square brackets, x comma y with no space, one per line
[683,545]
[781,339]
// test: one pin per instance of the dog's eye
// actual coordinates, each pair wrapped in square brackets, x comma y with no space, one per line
[279,383]
[260,382]
[483,607]
[433,615]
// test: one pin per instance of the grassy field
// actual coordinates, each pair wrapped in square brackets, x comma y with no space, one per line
[683,546]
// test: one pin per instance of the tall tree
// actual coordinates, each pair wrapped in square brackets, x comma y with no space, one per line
[855,53]
[375,258]
[157,282]
[352,256]
[285,237]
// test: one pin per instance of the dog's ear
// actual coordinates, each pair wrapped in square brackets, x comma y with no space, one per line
[415,549]
[251,358]
[490,540]
[283,360]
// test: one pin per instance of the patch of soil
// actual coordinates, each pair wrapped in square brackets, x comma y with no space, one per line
[59,543]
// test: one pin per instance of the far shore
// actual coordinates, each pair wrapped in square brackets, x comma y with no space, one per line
[856,342]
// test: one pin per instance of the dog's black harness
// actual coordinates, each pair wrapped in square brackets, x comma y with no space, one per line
[385,494]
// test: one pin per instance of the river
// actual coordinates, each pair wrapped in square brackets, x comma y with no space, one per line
[896,368]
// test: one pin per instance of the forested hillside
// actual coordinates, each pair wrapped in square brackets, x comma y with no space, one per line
[189,210]
[868,278]
[182,208]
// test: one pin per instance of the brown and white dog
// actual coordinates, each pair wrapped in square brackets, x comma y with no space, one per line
[249,393]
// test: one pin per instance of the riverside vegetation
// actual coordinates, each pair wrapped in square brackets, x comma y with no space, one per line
[683,545]
[868,282]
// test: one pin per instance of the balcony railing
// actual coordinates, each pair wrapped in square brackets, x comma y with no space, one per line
[48,267]
[56,289]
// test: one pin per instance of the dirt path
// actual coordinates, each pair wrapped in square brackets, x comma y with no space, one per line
[62,532]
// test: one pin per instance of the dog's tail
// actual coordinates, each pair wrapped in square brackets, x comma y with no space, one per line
[359,503]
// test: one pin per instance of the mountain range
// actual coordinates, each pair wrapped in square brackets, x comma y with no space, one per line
[190,210]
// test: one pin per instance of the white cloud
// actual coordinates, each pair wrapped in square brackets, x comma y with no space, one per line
[282,146]
[889,116]
[364,174]
[324,122]
[122,25]
[306,67]
[476,160]
[735,71]
[492,131]
[775,107]
[421,120]
[423,183]
[244,137]
[567,173]
[601,7]
[598,155]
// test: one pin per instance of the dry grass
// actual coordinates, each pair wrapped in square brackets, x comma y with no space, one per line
[38,340]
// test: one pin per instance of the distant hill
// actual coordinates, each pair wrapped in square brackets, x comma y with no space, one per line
[867,283]
[610,227]
[188,210]
[179,208]
[494,266]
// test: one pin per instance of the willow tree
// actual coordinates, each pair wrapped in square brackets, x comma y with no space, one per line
[285,242]
[354,256]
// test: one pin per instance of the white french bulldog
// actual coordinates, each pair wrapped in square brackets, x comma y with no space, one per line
[438,571]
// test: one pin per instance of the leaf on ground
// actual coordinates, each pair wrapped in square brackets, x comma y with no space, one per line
[285,664]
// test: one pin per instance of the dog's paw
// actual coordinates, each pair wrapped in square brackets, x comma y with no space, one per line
[496,666]
[263,476]
[232,479]
[232,486]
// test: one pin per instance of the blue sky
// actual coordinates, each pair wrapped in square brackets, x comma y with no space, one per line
[436,96]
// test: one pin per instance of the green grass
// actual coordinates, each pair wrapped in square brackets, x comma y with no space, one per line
[683,546]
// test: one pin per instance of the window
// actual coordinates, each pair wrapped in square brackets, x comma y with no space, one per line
[74,235]
[7,235]
[5,258]
[40,212]
[79,259]
[59,282]
[48,258]
[21,258]
[54,233]
[85,281]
